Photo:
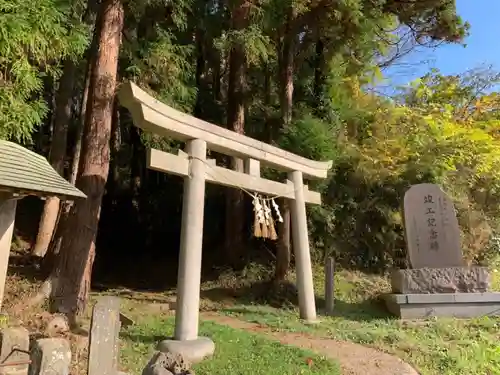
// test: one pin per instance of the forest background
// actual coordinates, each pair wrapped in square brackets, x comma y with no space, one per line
[300,74]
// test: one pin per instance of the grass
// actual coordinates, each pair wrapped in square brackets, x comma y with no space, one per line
[237,352]
[433,347]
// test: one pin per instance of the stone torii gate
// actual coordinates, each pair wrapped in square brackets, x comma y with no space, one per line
[153,116]
[22,173]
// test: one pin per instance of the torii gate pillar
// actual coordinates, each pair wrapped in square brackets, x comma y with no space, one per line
[187,314]
[189,274]
[300,236]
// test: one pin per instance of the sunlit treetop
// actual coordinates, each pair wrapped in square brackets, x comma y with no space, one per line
[435,20]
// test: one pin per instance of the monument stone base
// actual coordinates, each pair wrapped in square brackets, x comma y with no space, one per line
[193,351]
[456,305]
[441,280]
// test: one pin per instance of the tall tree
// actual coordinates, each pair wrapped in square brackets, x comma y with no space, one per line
[57,155]
[74,265]
[64,209]
[235,208]
[286,54]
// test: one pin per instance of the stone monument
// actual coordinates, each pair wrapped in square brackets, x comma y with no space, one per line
[439,283]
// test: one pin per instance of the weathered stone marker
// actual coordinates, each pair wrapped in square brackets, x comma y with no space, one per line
[329,285]
[103,340]
[438,284]
[432,231]
[14,348]
[126,321]
[50,357]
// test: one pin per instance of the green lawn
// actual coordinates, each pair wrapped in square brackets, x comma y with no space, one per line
[434,347]
[237,352]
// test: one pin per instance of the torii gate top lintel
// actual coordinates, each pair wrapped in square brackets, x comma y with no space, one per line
[152,115]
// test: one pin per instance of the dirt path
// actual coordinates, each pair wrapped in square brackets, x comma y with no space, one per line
[354,359]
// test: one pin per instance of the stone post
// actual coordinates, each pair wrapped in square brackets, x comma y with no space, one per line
[305,286]
[14,348]
[50,356]
[329,285]
[189,275]
[7,216]
[103,340]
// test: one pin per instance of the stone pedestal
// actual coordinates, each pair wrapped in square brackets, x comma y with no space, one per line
[441,280]
[460,292]
[456,305]
[193,351]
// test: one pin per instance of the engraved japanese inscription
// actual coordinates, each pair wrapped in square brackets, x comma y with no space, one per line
[432,232]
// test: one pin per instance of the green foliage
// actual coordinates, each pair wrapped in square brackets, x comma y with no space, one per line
[311,138]
[152,55]
[256,45]
[435,19]
[34,37]
[388,147]
[444,129]
[379,148]
[164,66]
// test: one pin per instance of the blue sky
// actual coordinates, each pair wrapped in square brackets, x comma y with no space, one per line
[483,45]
